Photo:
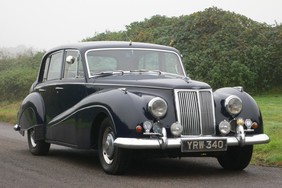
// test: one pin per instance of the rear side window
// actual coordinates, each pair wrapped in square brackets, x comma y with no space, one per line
[53,66]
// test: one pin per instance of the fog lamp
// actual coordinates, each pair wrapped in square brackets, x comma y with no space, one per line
[224,127]
[176,129]
[157,128]
[248,123]
[147,125]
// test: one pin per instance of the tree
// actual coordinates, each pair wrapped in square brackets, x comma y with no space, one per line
[218,47]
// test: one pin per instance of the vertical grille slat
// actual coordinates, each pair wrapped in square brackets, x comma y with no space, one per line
[195,111]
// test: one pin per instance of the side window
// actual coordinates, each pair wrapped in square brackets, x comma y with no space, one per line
[55,66]
[46,68]
[73,65]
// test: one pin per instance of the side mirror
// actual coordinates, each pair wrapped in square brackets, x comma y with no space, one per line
[70,59]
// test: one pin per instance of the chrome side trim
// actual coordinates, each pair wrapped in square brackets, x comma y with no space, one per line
[157,143]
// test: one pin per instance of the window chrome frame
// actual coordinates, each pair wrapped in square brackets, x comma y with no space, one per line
[141,49]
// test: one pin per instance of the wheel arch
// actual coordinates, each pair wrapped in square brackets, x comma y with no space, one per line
[95,128]
[31,112]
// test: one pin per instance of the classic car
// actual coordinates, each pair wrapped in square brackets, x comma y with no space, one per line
[128,98]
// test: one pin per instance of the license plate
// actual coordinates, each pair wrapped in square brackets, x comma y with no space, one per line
[203,145]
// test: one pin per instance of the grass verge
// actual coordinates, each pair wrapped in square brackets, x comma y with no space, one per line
[270,154]
[9,111]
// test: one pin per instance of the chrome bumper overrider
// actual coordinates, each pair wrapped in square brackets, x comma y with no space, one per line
[163,142]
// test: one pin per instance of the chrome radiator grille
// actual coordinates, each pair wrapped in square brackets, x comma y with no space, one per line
[195,111]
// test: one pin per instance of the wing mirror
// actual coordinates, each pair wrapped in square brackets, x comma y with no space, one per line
[70,59]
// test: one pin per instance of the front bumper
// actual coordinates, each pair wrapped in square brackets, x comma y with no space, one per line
[168,143]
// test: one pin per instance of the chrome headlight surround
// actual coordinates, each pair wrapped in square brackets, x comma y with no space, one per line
[157,107]
[233,105]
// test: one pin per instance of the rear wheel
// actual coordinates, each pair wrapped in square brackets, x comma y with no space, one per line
[36,147]
[113,160]
[236,157]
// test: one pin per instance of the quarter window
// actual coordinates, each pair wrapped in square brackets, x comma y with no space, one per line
[46,68]
[55,66]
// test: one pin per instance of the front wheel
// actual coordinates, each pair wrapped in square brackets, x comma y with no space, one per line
[236,157]
[36,147]
[113,160]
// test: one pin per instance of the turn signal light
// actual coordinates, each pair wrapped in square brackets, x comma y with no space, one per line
[255,125]
[139,129]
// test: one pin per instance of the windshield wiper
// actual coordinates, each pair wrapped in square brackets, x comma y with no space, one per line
[146,70]
[108,73]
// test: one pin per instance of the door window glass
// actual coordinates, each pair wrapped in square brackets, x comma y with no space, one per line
[73,65]
[55,66]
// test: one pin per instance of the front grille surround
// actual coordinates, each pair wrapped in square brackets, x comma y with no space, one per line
[195,111]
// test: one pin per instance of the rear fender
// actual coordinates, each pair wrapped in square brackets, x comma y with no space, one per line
[31,113]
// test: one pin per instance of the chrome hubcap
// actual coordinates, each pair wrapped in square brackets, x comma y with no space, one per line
[32,138]
[108,147]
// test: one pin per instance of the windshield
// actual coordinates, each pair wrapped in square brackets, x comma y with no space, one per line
[132,60]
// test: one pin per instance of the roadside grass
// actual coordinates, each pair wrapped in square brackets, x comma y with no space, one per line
[9,111]
[270,154]
[266,154]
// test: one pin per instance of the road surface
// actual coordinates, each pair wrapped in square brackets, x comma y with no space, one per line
[65,167]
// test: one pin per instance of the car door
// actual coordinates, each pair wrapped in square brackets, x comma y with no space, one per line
[69,91]
[47,86]
[71,88]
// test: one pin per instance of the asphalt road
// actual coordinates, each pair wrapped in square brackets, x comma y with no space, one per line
[65,167]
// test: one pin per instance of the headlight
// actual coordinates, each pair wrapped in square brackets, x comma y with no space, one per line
[157,107]
[233,105]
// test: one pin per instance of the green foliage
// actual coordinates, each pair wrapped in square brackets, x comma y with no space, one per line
[17,75]
[219,47]
[271,153]
[108,36]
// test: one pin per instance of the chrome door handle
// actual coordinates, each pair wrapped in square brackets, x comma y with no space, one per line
[41,90]
[59,88]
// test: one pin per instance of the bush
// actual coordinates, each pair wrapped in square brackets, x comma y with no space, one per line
[17,75]
[219,47]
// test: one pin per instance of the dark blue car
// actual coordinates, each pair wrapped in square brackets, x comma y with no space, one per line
[120,97]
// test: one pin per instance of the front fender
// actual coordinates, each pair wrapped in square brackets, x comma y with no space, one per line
[125,108]
[31,112]
[250,108]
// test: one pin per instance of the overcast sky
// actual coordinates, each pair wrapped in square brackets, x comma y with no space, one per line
[43,24]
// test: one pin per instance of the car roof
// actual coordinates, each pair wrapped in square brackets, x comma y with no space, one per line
[84,46]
